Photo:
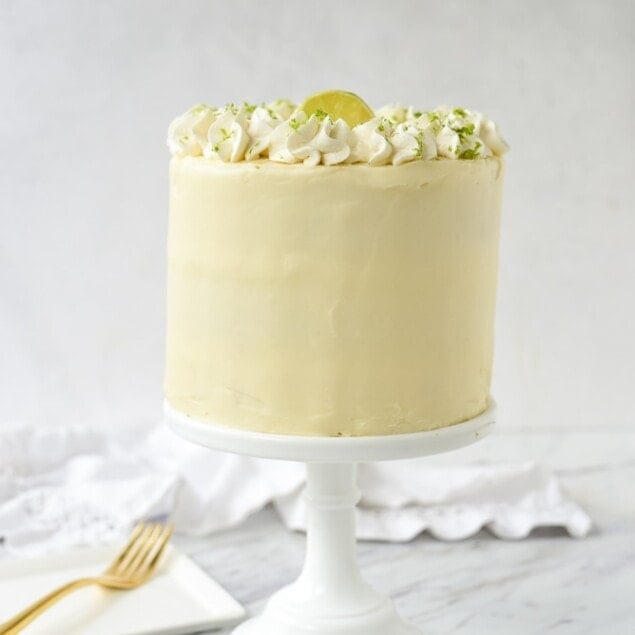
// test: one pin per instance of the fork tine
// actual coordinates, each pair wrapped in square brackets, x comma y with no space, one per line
[133,563]
[149,563]
[139,557]
[139,527]
[131,552]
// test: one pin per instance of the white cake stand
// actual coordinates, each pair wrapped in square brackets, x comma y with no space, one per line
[330,596]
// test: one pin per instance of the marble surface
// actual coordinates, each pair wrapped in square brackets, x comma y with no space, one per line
[546,583]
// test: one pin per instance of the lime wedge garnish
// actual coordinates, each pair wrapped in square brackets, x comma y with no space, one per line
[338,104]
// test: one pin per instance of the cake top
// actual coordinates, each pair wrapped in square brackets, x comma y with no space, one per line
[331,128]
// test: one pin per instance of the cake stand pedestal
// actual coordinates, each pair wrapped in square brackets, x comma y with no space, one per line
[330,596]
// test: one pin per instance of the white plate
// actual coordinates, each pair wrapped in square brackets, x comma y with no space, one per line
[179,599]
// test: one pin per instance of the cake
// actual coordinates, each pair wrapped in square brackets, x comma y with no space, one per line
[332,273]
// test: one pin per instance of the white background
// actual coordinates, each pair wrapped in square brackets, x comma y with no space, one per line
[87,92]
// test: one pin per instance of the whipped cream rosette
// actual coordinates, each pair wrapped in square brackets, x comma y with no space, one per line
[282,132]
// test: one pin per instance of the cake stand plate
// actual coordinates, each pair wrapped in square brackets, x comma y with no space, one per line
[329,597]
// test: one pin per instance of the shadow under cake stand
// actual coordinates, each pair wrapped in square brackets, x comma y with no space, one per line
[329,596]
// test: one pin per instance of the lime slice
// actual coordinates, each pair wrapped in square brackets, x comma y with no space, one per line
[338,104]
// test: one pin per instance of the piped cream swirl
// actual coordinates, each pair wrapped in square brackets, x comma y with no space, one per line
[282,133]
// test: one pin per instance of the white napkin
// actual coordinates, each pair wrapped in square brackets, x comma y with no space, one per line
[66,487]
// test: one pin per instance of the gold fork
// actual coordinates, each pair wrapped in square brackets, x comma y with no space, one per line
[131,568]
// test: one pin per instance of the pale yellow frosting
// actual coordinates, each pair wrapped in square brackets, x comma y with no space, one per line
[350,300]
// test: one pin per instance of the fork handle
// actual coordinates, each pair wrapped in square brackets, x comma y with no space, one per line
[25,617]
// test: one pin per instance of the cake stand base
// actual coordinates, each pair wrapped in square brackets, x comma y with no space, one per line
[383,621]
[329,597]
